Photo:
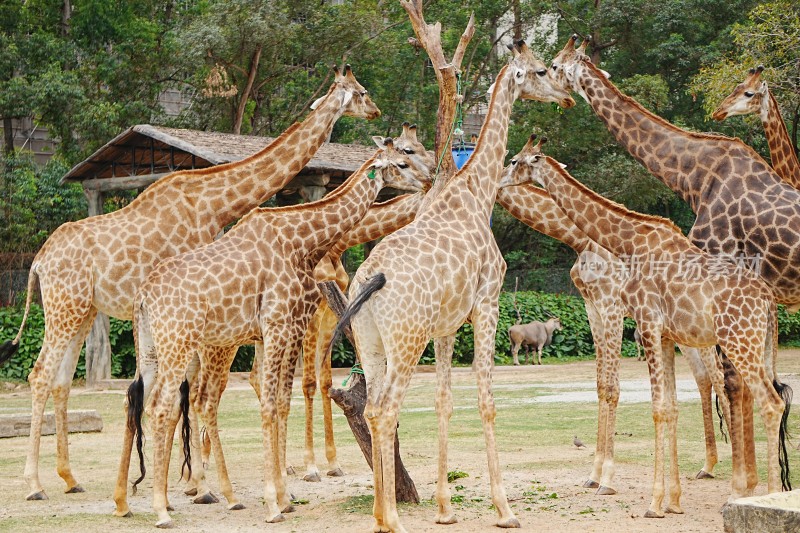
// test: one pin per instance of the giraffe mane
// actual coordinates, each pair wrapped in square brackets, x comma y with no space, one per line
[615,207]
[199,173]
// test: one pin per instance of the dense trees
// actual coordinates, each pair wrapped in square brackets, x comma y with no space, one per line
[89,68]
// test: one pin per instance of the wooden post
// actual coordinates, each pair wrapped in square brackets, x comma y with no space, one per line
[98,346]
[352,402]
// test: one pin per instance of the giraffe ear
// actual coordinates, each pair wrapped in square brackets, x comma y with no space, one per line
[317,102]
[605,73]
[490,90]
[378,140]
[563,165]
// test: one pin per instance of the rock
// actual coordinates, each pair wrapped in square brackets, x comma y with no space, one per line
[19,425]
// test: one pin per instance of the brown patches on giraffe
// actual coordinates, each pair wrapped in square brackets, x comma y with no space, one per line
[734,311]
[182,315]
[99,262]
[753,96]
[594,276]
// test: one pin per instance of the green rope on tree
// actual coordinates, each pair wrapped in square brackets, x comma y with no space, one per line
[356,369]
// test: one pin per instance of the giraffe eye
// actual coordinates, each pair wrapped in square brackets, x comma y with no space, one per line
[409,151]
[749,94]
[513,161]
[554,67]
[402,165]
[541,72]
[364,92]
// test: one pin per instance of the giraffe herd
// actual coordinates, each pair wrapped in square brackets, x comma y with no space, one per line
[194,300]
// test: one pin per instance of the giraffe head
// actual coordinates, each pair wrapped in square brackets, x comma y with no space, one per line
[534,80]
[355,100]
[395,168]
[408,144]
[520,168]
[750,96]
[541,167]
[568,63]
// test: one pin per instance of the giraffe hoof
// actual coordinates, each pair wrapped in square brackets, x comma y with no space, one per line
[653,514]
[206,499]
[605,491]
[37,496]
[336,472]
[509,523]
[288,509]
[589,484]
[123,514]
[289,470]
[170,508]
[191,492]
[314,478]
[165,524]
[674,509]
[75,490]
[277,518]
[449,519]
[704,475]
[236,507]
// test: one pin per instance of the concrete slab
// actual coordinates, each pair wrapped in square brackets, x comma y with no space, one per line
[19,424]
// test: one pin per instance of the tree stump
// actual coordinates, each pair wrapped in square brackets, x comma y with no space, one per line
[352,402]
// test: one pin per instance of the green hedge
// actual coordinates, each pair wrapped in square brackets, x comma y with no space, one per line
[573,341]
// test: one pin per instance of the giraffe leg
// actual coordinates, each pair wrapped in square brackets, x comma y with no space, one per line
[209,395]
[273,350]
[309,390]
[41,379]
[323,355]
[671,396]
[734,393]
[444,409]
[484,321]
[165,392]
[702,376]
[291,355]
[749,438]
[606,487]
[651,339]
[771,407]
[61,388]
[601,364]
[143,383]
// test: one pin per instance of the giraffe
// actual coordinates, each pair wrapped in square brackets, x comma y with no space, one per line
[742,206]
[424,281]
[744,209]
[96,264]
[753,96]
[253,284]
[594,276]
[678,293]
[381,219]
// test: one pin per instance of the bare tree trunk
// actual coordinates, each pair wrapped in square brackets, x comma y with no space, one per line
[517,20]
[447,72]
[98,346]
[251,78]
[352,402]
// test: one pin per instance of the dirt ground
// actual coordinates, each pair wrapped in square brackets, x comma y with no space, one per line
[543,482]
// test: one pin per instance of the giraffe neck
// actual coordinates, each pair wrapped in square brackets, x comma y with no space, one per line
[226,192]
[320,224]
[533,206]
[482,171]
[381,219]
[609,224]
[668,152]
[781,149]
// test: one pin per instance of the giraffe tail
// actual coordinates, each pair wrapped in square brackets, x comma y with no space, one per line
[135,411]
[186,430]
[9,348]
[785,392]
[370,287]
